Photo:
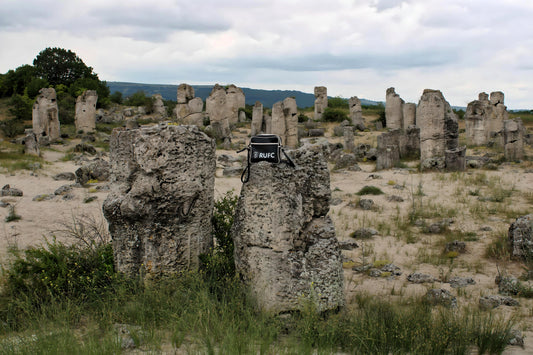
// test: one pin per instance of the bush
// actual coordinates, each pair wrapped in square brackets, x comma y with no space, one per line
[219,263]
[11,128]
[334,115]
[338,102]
[21,107]
[370,190]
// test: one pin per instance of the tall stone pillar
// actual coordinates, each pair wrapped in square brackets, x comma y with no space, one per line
[85,118]
[45,117]
[321,101]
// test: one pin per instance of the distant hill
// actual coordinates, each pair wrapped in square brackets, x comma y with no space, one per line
[266,97]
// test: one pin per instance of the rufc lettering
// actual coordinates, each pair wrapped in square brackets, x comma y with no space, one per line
[267,155]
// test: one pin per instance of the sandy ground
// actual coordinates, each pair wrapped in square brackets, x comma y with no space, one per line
[455,195]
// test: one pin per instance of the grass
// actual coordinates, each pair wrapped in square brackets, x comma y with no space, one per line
[12,158]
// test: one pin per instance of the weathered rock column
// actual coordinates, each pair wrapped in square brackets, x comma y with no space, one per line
[45,117]
[159,211]
[285,121]
[159,106]
[257,119]
[455,159]
[393,109]
[356,113]
[285,244]
[513,136]
[321,101]
[189,110]
[409,115]
[438,129]
[348,135]
[388,150]
[85,118]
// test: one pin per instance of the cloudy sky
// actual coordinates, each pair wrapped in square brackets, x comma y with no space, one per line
[354,47]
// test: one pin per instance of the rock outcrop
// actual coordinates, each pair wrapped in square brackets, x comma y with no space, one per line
[189,110]
[285,244]
[159,211]
[356,113]
[521,237]
[258,123]
[321,101]
[45,117]
[393,109]
[285,121]
[438,129]
[484,119]
[222,107]
[85,118]
[159,106]
[513,139]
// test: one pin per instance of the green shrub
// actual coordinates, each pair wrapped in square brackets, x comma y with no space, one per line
[334,115]
[11,128]
[370,190]
[219,263]
[338,102]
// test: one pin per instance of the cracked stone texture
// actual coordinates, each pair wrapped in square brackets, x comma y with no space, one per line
[160,207]
[285,244]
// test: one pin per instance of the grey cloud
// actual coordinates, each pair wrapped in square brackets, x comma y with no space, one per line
[329,62]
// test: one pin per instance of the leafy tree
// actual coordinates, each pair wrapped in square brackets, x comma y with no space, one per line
[33,87]
[15,81]
[116,97]
[61,66]
[21,107]
[138,98]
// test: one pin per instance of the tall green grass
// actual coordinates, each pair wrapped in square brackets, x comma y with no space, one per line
[59,298]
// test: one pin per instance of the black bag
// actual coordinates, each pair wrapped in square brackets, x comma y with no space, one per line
[264,147]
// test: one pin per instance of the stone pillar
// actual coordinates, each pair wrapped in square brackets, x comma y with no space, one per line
[45,117]
[217,112]
[356,113]
[409,115]
[257,119]
[159,106]
[476,116]
[513,135]
[31,145]
[348,139]
[455,159]
[161,201]
[393,110]
[286,249]
[438,129]
[388,150]
[85,118]
[321,101]
[189,110]
[412,142]
[285,121]
[234,100]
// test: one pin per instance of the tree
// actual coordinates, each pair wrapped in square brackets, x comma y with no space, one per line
[61,66]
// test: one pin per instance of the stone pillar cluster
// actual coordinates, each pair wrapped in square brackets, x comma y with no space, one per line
[222,107]
[484,119]
[189,110]
[285,121]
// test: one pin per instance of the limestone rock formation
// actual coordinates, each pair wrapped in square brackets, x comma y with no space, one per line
[45,117]
[285,121]
[85,118]
[31,145]
[159,106]
[349,144]
[160,206]
[189,108]
[393,109]
[397,144]
[438,129]
[484,119]
[222,107]
[356,113]
[257,119]
[285,244]
[513,139]
[321,101]
[521,237]
[409,115]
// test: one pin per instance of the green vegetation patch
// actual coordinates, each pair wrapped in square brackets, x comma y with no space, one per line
[370,190]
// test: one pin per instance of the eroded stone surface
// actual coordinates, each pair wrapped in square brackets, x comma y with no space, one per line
[45,117]
[438,129]
[285,244]
[85,118]
[321,101]
[285,121]
[159,211]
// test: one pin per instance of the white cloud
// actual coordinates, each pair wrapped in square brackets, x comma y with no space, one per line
[355,47]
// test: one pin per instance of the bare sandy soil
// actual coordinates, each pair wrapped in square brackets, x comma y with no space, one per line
[480,203]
